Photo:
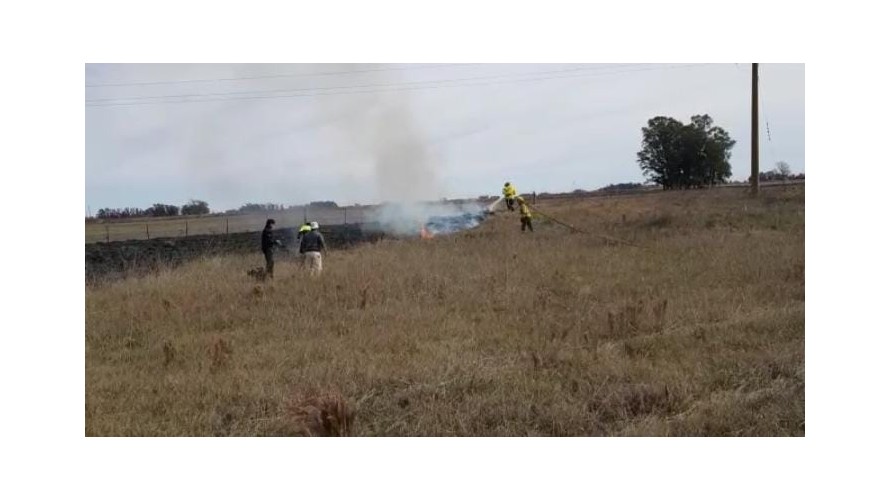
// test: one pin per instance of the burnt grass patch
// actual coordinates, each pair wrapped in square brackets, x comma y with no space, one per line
[121,259]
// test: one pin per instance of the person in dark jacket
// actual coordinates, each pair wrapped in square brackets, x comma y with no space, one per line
[311,247]
[268,244]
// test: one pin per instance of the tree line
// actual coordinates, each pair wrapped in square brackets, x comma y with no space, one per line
[193,208]
[782,172]
[255,208]
[199,207]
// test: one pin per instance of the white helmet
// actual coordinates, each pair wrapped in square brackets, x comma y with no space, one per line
[313,225]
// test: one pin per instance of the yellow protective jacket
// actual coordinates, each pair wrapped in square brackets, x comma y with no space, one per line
[509,191]
[523,210]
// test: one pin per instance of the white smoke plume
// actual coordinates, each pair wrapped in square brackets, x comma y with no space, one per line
[407,218]
[378,137]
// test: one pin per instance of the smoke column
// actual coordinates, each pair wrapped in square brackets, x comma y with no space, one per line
[376,136]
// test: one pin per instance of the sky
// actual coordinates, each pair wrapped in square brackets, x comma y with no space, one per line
[230,134]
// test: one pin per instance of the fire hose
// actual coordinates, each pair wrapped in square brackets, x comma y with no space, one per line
[604,237]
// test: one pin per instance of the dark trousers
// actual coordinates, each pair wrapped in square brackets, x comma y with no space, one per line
[526,221]
[270,262]
[510,202]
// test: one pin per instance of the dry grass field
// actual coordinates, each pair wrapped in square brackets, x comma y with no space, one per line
[698,331]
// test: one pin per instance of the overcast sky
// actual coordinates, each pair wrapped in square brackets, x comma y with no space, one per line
[296,133]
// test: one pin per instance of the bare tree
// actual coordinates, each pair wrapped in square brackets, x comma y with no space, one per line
[783,168]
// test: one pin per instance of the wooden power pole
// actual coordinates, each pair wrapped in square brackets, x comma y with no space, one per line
[755,137]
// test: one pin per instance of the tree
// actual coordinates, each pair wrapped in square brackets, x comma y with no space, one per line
[195,208]
[161,210]
[783,168]
[323,205]
[126,212]
[259,208]
[677,155]
[621,187]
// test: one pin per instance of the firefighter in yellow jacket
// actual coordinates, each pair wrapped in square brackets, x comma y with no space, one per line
[525,215]
[509,192]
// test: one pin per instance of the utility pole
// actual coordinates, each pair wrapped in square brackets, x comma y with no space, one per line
[755,137]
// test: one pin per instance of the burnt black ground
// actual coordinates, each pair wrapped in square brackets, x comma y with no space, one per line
[113,260]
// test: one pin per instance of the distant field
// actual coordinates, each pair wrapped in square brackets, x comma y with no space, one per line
[143,228]
[698,331]
[176,226]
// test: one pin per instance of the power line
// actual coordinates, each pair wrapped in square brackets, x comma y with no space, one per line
[344,87]
[471,84]
[386,90]
[364,91]
[288,75]
[769,136]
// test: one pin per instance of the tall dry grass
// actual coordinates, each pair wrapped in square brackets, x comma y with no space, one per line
[700,331]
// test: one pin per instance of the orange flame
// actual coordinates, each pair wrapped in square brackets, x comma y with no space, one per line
[425,234]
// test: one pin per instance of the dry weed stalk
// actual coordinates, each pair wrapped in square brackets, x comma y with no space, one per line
[169,352]
[320,414]
[220,351]
[659,312]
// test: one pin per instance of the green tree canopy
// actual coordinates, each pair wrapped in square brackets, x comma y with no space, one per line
[678,155]
[162,210]
[195,207]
